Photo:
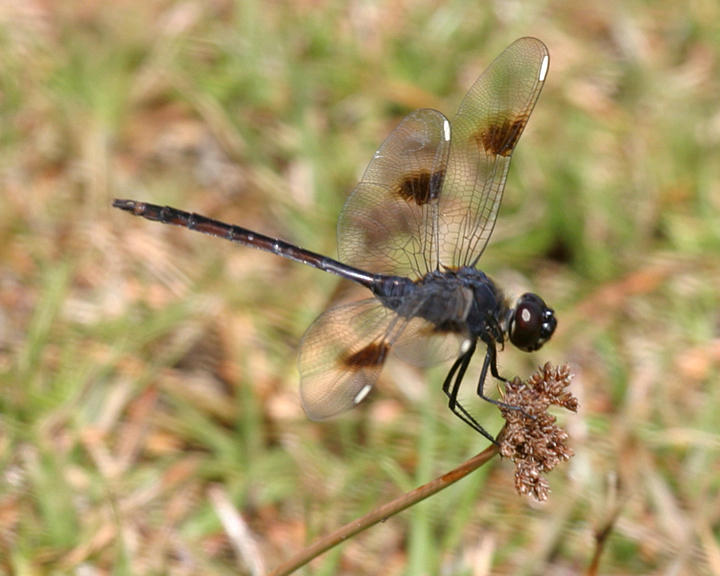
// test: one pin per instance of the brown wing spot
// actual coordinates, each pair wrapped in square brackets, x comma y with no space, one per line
[421,187]
[371,356]
[499,138]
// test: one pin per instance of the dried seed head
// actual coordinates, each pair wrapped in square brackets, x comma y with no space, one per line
[531,439]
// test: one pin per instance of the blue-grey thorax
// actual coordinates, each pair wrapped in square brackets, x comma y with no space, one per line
[464,301]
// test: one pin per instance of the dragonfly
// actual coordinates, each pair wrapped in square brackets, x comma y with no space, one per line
[412,232]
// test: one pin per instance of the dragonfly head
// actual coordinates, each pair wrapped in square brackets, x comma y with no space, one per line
[532,323]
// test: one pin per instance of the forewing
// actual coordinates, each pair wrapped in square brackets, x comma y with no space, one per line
[389,224]
[485,131]
[342,354]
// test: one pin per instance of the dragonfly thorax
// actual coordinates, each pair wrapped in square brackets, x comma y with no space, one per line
[464,301]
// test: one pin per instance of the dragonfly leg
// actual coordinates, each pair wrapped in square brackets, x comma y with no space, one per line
[451,387]
[490,363]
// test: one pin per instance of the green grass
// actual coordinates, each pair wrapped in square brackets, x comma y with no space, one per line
[142,366]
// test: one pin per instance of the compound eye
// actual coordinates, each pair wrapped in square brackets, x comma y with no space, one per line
[532,323]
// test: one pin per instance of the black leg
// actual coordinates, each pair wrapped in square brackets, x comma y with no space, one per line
[491,363]
[451,392]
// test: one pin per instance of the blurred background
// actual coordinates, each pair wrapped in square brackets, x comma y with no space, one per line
[148,382]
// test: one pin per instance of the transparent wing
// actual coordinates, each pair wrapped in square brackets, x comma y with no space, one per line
[342,354]
[389,224]
[485,130]
[425,344]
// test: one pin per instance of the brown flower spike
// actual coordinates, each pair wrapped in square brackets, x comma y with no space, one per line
[531,438]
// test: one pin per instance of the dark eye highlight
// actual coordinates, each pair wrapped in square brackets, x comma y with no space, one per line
[532,323]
